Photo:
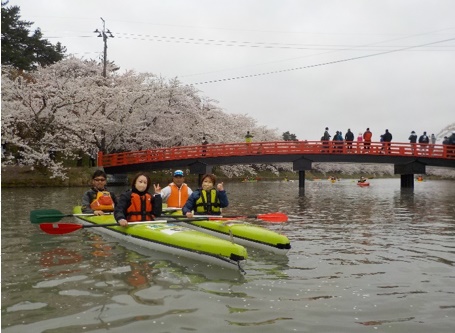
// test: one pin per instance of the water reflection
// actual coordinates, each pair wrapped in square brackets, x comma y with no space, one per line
[372,257]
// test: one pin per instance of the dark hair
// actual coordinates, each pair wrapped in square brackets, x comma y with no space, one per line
[98,173]
[149,182]
[211,176]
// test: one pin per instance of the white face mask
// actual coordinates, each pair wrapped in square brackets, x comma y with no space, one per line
[207,184]
[141,183]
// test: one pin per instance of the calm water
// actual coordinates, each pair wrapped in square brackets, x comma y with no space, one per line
[377,259]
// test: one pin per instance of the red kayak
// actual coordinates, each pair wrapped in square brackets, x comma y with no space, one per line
[363,184]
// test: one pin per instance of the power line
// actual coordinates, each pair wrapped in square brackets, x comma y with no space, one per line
[267,45]
[321,64]
[252,44]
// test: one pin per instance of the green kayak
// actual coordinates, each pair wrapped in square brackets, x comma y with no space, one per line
[172,238]
[240,232]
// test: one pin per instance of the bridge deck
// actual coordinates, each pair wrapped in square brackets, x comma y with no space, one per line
[279,151]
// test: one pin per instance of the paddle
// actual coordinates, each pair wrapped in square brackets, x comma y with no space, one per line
[269,217]
[171,209]
[66,228]
[51,215]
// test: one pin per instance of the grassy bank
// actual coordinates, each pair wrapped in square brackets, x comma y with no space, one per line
[17,176]
[24,176]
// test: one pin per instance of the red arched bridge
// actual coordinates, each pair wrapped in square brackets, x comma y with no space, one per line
[408,159]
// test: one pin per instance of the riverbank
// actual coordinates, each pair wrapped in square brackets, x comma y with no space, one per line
[25,176]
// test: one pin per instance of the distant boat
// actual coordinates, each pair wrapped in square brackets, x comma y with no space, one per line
[249,181]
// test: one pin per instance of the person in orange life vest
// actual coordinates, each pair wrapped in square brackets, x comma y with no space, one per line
[367,138]
[176,193]
[207,200]
[98,199]
[138,204]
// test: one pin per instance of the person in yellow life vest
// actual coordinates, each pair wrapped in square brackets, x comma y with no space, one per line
[248,137]
[176,193]
[207,200]
[137,204]
[362,180]
[98,199]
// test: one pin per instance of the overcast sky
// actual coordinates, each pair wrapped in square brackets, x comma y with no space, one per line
[297,66]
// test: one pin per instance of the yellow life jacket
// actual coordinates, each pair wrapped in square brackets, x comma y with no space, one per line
[103,201]
[178,197]
[211,206]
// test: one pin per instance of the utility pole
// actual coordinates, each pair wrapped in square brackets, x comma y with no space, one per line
[103,34]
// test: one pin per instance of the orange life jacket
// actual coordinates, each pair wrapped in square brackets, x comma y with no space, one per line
[178,197]
[103,201]
[367,136]
[140,209]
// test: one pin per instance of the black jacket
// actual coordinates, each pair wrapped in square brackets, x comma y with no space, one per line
[349,136]
[125,201]
[387,137]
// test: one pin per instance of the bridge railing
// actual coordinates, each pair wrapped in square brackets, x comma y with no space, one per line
[276,148]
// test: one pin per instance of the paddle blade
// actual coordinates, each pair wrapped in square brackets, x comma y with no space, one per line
[45,215]
[273,217]
[59,228]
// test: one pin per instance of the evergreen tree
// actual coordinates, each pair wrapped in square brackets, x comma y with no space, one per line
[289,136]
[21,48]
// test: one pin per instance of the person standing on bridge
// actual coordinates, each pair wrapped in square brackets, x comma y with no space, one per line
[176,193]
[204,145]
[424,140]
[248,137]
[367,139]
[325,140]
[412,140]
[432,143]
[359,142]
[451,144]
[349,137]
[387,139]
[207,200]
[452,139]
[248,140]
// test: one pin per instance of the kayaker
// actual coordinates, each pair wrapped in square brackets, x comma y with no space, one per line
[206,200]
[138,204]
[98,199]
[362,180]
[176,193]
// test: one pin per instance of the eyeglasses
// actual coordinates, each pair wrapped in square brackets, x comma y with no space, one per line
[99,179]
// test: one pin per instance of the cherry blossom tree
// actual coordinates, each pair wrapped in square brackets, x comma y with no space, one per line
[69,109]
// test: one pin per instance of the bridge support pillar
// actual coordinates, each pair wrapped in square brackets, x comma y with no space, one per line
[301,165]
[301,181]
[407,172]
[407,181]
[200,169]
